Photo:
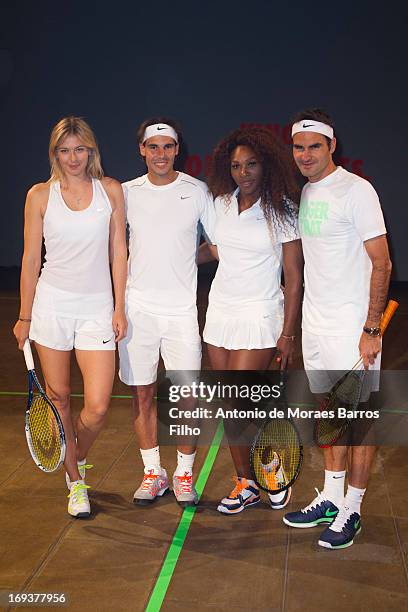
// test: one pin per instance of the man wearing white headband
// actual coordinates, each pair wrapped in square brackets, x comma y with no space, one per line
[347,272]
[163,208]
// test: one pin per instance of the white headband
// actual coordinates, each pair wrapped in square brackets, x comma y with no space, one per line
[309,125]
[160,129]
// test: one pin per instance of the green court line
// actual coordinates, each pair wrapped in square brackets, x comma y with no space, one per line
[173,553]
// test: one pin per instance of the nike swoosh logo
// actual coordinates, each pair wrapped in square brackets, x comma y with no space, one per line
[306,126]
[356,524]
[160,128]
[106,341]
[330,512]
[337,477]
[185,197]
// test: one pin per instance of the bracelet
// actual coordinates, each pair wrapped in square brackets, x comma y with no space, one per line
[372,331]
[24,320]
[288,337]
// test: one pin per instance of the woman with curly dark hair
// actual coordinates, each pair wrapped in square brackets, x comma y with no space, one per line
[253,181]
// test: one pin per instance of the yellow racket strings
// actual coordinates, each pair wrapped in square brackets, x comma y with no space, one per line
[277,455]
[44,433]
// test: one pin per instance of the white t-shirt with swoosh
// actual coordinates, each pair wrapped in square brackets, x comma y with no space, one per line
[163,226]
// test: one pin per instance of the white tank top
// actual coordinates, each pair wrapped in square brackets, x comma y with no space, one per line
[77,249]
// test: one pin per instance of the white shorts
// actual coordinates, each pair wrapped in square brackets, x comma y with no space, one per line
[327,358]
[255,327]
[64,334]
[176,338]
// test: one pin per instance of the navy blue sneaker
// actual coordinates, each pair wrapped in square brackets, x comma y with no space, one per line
[242,496]
[321,510]
[283,500]
[342,531]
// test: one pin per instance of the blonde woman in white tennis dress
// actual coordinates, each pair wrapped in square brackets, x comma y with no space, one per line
[80,215]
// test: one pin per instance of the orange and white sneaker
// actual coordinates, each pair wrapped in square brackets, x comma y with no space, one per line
[154,484]
[184,490]
[243,495]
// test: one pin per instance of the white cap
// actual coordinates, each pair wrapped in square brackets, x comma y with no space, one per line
[160,129]
[309,125]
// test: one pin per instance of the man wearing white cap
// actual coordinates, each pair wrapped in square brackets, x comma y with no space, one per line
[164,208]
[347,272]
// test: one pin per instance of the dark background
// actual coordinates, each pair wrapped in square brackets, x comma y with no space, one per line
[214,66]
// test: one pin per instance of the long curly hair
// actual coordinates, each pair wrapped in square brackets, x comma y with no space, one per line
[279,191]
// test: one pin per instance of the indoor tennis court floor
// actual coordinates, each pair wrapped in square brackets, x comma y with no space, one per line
[136,558]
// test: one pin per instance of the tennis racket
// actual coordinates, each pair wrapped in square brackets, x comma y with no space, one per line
[276,453]
[43,426]
[346,393]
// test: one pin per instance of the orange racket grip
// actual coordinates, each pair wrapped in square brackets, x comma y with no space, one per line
[388,314]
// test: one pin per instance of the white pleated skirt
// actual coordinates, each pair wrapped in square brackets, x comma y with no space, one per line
[250,327]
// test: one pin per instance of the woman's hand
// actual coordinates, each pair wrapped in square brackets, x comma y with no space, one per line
[21,330]
[285,349]
[119,323]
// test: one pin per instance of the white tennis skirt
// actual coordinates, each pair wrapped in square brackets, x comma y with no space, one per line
[251,327]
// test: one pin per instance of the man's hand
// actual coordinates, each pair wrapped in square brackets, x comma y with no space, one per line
[369,347]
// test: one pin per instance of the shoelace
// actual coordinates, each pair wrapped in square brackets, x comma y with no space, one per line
[148,480]
[79,492]
[317,500]
[86,466]
[185,482]
[240,484]
[341,519]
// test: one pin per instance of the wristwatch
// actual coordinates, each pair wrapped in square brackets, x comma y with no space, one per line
[372,331]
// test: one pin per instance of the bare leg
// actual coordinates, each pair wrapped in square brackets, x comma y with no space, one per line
[360,462]
[55,367]
[223,359]
[335,458]
[187,403]
[98,370]
[145,415]
[218,357]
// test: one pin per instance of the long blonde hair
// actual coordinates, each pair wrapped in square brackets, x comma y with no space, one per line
[77,127]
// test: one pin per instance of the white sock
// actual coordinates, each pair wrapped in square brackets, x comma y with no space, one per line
[334,486]
[184,463]
[353,499]
[151,459]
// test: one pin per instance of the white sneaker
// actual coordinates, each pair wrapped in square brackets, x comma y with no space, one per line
[280,500]
[184,490]
[155,484]
[78,505]
[82,467]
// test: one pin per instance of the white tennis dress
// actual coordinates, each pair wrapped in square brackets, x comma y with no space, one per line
[74,292]
[245,308]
